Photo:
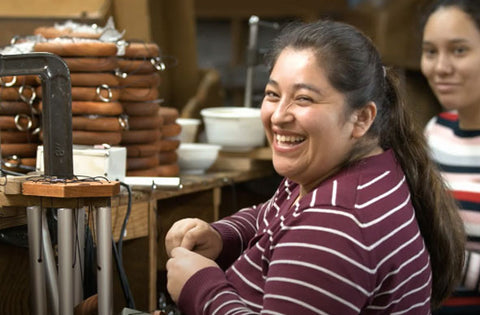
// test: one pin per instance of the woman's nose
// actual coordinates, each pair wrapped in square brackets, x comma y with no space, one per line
[282,112]
[443,64]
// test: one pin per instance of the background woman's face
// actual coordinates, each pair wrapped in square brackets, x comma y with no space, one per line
[451,58]
[304,119]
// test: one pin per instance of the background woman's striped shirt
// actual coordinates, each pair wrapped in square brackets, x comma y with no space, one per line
[457,153]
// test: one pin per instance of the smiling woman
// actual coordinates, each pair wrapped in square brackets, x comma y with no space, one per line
[450,62]
[343,233]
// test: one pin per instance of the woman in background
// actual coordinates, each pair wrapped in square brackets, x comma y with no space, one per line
[451,63]
[361,222]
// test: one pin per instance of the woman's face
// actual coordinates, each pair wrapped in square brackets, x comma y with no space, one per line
[451,58]
[305,119]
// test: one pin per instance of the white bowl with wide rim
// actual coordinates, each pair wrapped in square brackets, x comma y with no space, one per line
[196,158]
[237,129]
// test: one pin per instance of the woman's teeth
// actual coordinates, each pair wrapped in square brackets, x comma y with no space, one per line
[288,139]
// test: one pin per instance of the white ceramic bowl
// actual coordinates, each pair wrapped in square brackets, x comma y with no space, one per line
[196,158]
[234,128]
[189,129]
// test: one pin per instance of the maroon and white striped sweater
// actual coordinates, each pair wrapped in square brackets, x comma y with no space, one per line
[350,246]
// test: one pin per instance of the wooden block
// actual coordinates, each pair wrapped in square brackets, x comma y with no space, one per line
[238,164]
[12,185]
[243,161]
[12,216]
[263,153]
[137,223]
[71,189]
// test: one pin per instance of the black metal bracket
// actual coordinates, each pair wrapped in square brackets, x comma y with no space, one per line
[57,106]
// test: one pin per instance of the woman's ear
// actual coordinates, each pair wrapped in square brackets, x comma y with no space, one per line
[363,119]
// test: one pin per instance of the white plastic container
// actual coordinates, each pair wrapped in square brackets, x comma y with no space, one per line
[189,129]
[237,129]
[109,162]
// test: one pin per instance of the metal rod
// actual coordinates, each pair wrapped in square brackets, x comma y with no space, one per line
[65,260]
[251,59]
[37,271]
[50,267]
[79,249]
[104,260]
[57,106]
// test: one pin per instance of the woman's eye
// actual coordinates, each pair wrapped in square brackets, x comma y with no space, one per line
[304,99]
[459,50]
[270,94]
[428,52]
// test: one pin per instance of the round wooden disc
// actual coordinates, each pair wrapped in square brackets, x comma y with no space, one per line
[141,150]
[85,48]
[140,80]
[168,170]
[13,108]
[140,108]
[96,123]
[145,122]
[17,137]
[141,50]
[169,114]
[96,137]
[91,64]
[138,94]
[141,163]
[19,149]
[141,136]
[171,130]
[169,145]
[93,79]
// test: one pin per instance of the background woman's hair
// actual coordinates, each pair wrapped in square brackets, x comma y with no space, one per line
[354,67]
[470,7]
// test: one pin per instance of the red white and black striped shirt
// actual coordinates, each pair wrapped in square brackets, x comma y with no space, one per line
[350,246]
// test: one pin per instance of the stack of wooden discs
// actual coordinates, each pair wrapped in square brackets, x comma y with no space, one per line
[115,98]
[168,143]
[19,123]
[138,69]
[96,109]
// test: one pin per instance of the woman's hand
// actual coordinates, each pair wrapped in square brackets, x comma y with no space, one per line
[181,266]
[195,235]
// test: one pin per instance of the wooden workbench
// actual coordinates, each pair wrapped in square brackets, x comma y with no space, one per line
[153,212]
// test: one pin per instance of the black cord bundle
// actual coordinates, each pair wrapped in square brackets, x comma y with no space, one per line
[118,252]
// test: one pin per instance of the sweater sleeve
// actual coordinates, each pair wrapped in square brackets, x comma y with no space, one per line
[236,231]
[303,277]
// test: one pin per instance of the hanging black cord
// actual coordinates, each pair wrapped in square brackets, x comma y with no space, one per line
[125,221]
[118,252]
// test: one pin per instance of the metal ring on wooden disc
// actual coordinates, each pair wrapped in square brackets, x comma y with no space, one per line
[9,84]
[120,73]
[25,99]
[158,64]
[106,88]
[123,121]
[19,125]
[37,130]
[13,158]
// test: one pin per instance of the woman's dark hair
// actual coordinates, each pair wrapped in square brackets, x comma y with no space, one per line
[354,67]
[470,7]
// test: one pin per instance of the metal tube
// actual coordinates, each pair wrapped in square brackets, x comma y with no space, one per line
[65,260]
[37,271]
[104,260]
[251,59]
[79,249]
[57,106]
[50,267]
